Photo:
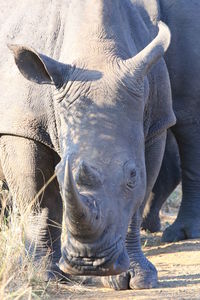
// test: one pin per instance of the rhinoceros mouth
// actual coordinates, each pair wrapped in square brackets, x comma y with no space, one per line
[112,261]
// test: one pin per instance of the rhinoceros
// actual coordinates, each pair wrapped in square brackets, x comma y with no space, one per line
[183,62]
[93,102]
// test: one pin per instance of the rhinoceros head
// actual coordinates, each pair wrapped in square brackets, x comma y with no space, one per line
[102,176]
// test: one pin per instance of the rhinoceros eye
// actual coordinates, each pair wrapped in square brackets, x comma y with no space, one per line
[130,175]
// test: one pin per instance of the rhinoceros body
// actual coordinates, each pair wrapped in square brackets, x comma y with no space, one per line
[183,62]
[98,109]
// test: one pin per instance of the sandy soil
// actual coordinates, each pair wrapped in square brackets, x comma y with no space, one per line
[178,266]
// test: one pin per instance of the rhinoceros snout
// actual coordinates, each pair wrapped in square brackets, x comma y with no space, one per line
[115,262]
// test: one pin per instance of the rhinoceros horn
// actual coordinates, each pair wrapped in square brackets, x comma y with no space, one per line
[142,62]
[80,216]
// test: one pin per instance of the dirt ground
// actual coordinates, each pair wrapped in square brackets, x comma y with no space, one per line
[178,266]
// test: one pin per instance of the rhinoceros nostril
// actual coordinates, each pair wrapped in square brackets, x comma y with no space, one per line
[88,175]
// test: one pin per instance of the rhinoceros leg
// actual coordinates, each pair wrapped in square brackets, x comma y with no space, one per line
[168,179]
[27,166]
[142,274]
[187,223]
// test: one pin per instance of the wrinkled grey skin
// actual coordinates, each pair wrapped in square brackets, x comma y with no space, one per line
[183,62]
[105,121]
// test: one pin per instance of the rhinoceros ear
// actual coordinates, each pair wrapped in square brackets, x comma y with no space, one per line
[37,67]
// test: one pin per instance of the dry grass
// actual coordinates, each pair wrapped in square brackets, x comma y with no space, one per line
[20,277]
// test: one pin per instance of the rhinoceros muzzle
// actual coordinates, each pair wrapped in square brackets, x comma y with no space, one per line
[86,230]
[111,261]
